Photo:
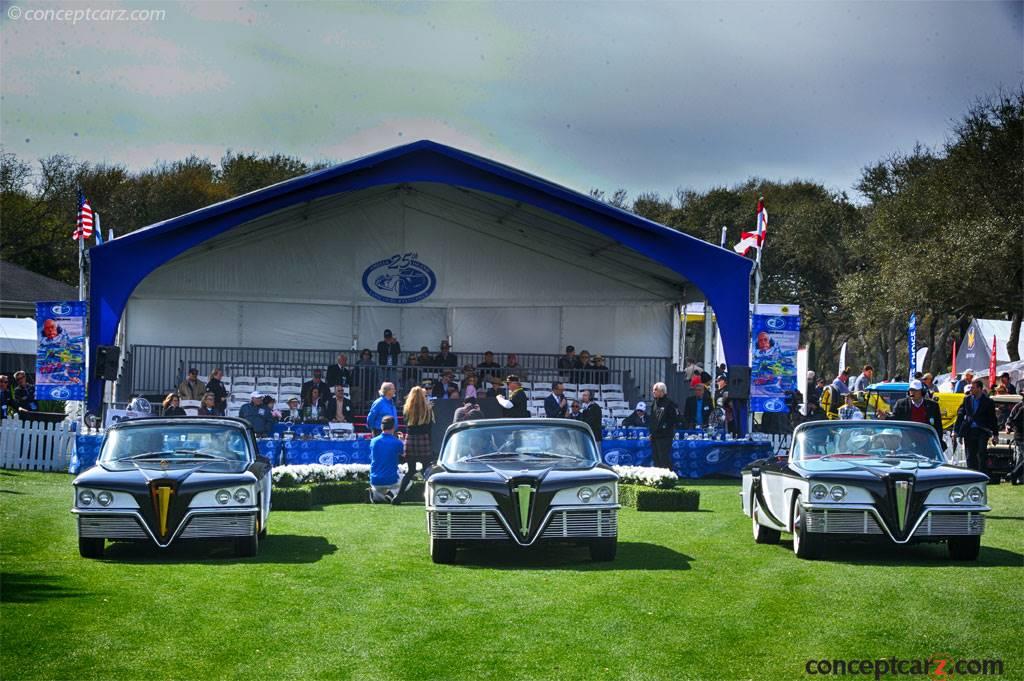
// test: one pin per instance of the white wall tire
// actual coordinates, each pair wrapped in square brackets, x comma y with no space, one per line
[762,534]
[805,544]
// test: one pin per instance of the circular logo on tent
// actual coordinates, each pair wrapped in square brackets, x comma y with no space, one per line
[400,279]
[60,393]
[776,323]
[61,309]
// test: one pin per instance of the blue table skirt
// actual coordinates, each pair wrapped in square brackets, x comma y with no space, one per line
[690,458]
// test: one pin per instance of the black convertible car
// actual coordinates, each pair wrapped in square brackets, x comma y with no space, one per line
[162,480]
[865,479]
[521,481]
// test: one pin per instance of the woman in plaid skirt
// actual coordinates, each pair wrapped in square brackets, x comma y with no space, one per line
[419,420]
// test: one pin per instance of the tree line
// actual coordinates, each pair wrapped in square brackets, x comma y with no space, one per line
[940,231]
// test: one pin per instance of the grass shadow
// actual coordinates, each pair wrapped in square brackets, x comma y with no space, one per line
[283,549]
[989,516]
[10,491]
[630,556]
[911,555]
[25,587]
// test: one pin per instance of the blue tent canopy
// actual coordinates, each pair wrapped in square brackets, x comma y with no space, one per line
[118,266]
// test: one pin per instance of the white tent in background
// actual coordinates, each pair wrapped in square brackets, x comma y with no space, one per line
[17,336]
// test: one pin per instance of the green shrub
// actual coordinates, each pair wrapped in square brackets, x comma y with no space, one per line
[340,493]
[291,499]
[650,499]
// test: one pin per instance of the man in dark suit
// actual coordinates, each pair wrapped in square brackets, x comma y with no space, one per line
[440,389]
[316,382]
[975,424]
[334,415]
[388,350]
[446,358]
[661,424]
[919,409]
[515,405]
[488,367]
[590,413]
[698,407]
[555,404]
[339,374]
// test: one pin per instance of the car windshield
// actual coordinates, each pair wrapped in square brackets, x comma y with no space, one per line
[202,441]
[866,440]
[522,445]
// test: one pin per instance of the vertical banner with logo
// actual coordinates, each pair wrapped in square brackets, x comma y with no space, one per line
[912,346]
[775,332]
[60,354]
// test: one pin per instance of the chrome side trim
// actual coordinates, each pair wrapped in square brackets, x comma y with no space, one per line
[252,510]
[873,511]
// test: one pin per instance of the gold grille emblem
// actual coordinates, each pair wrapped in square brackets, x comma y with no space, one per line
[523,493]
[902,502]
[162,504]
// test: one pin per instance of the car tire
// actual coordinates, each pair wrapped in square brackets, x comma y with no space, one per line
[247,547]
[964,548]
[442,551]
[604,550]
[90,547]
[762,534]
[805,544]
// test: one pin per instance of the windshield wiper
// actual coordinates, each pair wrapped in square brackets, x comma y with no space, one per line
[550,455]
[492,455]
[194,454]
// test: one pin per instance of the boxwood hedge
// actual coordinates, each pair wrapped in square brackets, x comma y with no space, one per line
[650,499]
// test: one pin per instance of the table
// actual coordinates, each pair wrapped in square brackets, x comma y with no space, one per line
[301,429]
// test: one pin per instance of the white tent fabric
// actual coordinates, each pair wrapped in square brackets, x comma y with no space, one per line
[1001,330]
[17,336]
[509,278]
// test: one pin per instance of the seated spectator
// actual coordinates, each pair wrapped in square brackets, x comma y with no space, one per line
[339,373]
[469,386]
[411,372]
[467,371]
[638,419]
[468,411]
[600,372]
[209,406]
[424,358]
[257,414]
[385,451]
[338,409]
[315,382]
[172,406]
[446,358]
[584,374]
[216,386]
[6,399]
[24,393]
[488,366]
[453,392]
[440,389]
[568,363]
[496,388]
[383,406]
[555,405]
[512,366]
[293,414]
[192,388]
[314,410]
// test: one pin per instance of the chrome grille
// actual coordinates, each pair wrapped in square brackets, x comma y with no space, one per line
[572,524]
[842,522]
[466,525]
[227,525]
[110,527]
[944,524]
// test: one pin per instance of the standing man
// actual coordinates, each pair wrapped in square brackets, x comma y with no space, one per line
[446,358]
[568,363]
[339,373]
[590,413]
[215,385]
[964,383]
[842,382]
[385,451]
[723,402]
[862,382]
[975,424]
[1015,424]
[515,406]
[258,415]
[697,409]
[928,383]
[388,351]
[555,404]
[383,406]
[316,382]
[191,388]
[917,407]
[662,425]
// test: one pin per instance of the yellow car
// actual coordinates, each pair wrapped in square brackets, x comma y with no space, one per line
[880,397]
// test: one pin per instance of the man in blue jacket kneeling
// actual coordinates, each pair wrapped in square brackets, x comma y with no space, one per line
[385,451]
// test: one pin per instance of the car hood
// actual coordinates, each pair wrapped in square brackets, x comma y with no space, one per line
[137,476]
[932,473]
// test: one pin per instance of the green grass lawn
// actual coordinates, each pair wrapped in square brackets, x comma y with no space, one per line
[349,592]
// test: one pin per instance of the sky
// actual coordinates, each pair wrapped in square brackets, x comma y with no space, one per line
[646,96]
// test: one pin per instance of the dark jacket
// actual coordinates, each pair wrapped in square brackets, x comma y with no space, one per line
[174,411]
[449,359]
[210,411]
[331,409]
[489,369]
[337,375]
[520,409]
[902,409]
[984,418]
[638,419]
[307,389]
[260,418]
[384,349]
[1015,421]
[567,364]
[690,411]
[663,418]
[552,408]
[592,417]
[25,397]
[220,393]
[440,389]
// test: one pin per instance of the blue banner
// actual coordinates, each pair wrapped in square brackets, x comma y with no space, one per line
[912,345]
[775,338]
[60,353]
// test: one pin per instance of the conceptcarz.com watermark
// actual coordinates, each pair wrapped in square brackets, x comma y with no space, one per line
[81,15]
[934,667]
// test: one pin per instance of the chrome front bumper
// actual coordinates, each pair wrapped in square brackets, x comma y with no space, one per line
[936,521]
[560,523]
[197,524]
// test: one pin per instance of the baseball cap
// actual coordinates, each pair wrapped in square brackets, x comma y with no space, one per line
[916,385]
[641,406]
[570,348]
[254,393]
[387,333]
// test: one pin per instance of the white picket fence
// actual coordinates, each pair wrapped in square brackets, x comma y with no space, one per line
[35,445]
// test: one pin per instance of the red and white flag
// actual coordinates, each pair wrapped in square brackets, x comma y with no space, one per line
[86,219]
[754,239]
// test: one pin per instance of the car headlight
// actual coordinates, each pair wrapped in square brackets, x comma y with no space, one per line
[604,493]
[585,494]
[462,495]
[819,492]
[223,496]
[443,495]
[837,493]
[976,495]
[104,498]
[85,497]
[241,495]
[956,495]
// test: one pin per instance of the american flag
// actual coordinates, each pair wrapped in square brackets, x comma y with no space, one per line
[86,219]
[754,239]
